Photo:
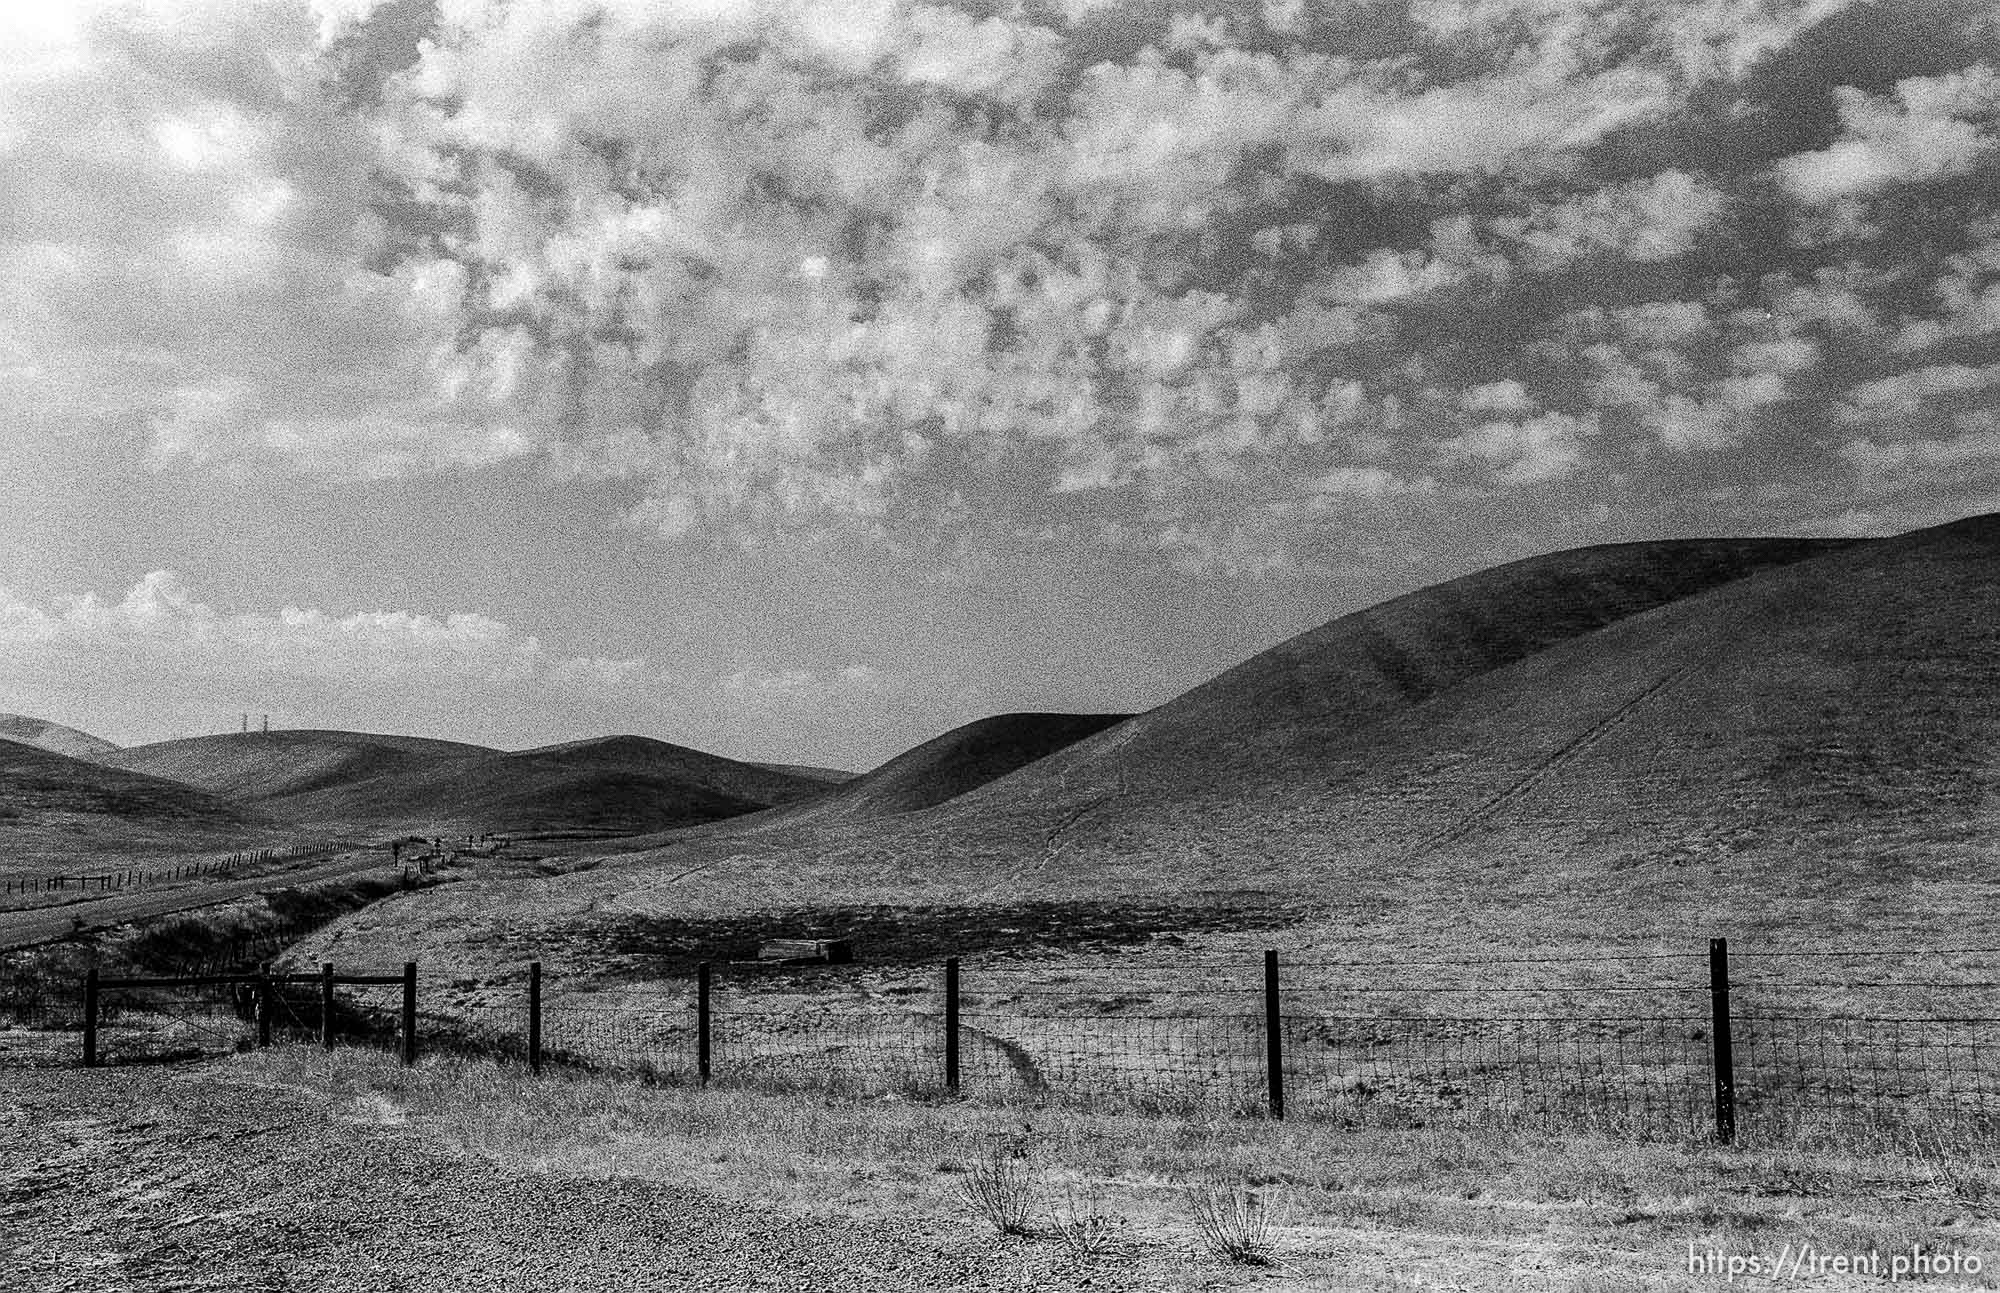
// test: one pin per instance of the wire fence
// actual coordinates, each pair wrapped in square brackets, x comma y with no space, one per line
[36,889]
[1654,1046]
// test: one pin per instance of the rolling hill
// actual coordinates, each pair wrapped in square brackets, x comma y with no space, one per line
[1737,706]
[270,765]
[832,776]
[55,809]
[42,734]
[616,784]
[950,765]
[1781,741]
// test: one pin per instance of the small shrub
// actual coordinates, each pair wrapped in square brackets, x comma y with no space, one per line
[1087,1232]
[997,1188]
[1233,1224]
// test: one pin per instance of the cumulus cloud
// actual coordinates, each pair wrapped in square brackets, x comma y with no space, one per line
[1643,220]
[1528,452]
[803,686]
[1977,447]
[874,268]
[161,628]
[1966,295]
[1932,127]
[1902,395]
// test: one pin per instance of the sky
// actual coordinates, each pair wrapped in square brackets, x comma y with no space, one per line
[797,381]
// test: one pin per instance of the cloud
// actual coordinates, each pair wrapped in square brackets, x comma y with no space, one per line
[1529,452]
[160,629]
[1902,395]
[1934,126]
[885,270]
[1967,294]
[1368,483]
[1976,449]
[804,687]
[1644,220]
[1504,396]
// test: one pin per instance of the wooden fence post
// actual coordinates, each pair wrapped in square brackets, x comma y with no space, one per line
[264,1004]
[534,1016]
[951,1025]
[326,1004]
[1722,1046]
[701,1022]
[90,1018]
[409,1012]
[1274,1043]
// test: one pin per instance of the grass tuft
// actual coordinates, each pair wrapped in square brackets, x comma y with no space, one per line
[1086,1230]
[997,1188]
[1233,1223]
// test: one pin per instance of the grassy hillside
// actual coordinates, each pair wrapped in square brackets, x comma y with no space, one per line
[1843,699]
[56,810]
[832,776]
[950,765]
[623,784]
[1646,742]
[269,765]
[1797,753]
[42,734]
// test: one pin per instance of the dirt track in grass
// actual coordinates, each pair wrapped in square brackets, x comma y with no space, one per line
[204,1178]
[293,1169]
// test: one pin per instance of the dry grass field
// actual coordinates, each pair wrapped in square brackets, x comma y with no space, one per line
[486,1177]
[42,734]
[389,784]
[1799,756]
[1489,829]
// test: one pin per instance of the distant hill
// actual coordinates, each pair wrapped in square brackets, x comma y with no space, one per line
[64,812]
[832,776]
[962,759]
[271,765]
[1792,741]
[626,784]
[1729,704]
[1377,738]
[1287,708]
[42,734]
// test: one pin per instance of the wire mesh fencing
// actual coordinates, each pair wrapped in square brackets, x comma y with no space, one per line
[190,1021]
[1652,1046]
[1643,1074]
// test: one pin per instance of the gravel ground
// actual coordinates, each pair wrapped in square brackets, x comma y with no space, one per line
[195,1177]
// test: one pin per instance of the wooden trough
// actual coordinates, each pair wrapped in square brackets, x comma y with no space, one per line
[832,951]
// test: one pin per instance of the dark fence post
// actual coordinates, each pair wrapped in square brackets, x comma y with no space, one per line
[1725,1054]
[264,1004]
[701,1033]
[409,1012]
[326,1004]
[951,1025]
[534,1017]
[1274,1044]
[90,1018]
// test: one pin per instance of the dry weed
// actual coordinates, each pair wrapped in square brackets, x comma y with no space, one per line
[997,1188]
[1087,1231]
[1233,1223]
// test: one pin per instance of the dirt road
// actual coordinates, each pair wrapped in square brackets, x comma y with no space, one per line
[202,1177]
[42,924]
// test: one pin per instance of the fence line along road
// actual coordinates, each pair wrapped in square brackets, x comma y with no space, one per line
[1717,1061]
[28,926]
[141,877]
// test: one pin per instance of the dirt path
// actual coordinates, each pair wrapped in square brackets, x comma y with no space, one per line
[196,1178]
[42,924]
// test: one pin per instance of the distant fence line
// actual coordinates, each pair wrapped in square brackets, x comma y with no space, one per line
[140,877]
[1266,1043]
